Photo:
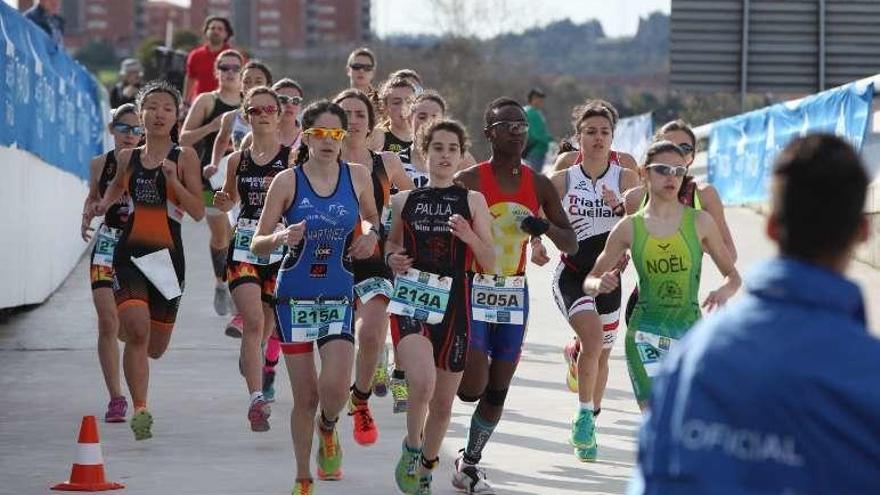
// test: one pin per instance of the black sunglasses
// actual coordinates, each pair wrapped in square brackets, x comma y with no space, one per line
[359,66]
[686,147]
[229,68]
[135,130]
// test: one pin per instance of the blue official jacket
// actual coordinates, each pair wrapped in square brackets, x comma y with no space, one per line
[778,393]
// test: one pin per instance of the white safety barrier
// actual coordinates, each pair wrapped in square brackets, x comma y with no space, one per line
[41,241]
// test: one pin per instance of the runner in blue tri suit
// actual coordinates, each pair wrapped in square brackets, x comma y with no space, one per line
[319,202]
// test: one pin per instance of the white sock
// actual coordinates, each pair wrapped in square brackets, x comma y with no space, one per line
[587,406]
[258,395]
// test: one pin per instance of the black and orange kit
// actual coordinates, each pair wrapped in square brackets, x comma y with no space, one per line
[374,266]
[252,182]
[108,234]
[435,250]
[153,225]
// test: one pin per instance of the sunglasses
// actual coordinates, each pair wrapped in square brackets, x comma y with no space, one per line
[229,68]
[135,130]
[668,170]
[686,147]
[363,67]
[258,111]
[512,126]
[290,100]
[335,133]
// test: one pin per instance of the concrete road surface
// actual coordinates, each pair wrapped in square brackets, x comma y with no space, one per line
[49,379]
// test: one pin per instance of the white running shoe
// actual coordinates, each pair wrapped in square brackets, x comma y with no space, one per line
[470,478]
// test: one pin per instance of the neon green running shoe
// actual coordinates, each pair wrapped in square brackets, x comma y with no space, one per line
[406,474]
[329,455]
[424,487]
[583,431]
[142,425]
[587,455]
[380,376]
[400,392]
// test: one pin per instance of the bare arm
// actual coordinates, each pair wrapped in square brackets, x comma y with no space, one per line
[560,231]
[712,204]
[565,161]
[224,137]
[711,238]
[627,161]
[117,186]
[187,87]
[227,196]
[189,192]
[194,127]
[604,277]
[467,161]
[395,256]
[395,172]
[632,199]
[95,168]
[480,237]
[278,199]
[376,141]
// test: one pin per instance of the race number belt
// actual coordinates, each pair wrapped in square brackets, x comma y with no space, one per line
[420,295]
[313,319]
[498,299]
[244,233]
[372,287]
[652,348]
[105,245]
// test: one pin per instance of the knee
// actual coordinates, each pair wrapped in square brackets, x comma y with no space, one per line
[253,321]
[441,407]
[421,387]
[470,395]
[369,336]
[137,337]
[108,325]
[306,400]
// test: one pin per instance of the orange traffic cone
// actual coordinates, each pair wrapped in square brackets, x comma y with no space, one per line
[87,474]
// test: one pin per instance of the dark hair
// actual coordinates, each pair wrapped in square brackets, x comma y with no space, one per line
[497,104]
[362,51]
[260,66]
[406,74]
[565,146]
[310,115]
[259,90]
[535,92]
[397,82]
[158,86]
[288,83]
[208,20]
[677,125]
[122,111]
[359,95]
[818,166]
[429,95]
[591,109]
[229,52]
[426,133]
[658,147]
[607,104]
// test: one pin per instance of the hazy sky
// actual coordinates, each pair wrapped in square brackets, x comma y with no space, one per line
[618,17]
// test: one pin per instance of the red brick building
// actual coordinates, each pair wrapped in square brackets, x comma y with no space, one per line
[160,13]
[118,22]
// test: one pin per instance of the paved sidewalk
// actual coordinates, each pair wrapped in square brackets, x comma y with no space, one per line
[49,378]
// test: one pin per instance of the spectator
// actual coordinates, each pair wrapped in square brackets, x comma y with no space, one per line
[200,77]
[125,90]
[45,14]
[777,392]
[539,138]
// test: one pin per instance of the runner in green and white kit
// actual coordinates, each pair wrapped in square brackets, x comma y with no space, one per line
[666,240]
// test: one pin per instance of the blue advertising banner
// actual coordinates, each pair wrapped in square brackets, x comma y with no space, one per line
[50,105]
[742,148]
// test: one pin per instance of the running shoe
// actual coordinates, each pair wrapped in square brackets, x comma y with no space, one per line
[365,430]
[571,357]
[400,392]
[329,455]
[142,425]
[258,415]
[380,377]
[470,478]
[583,431]
[235,326]
[116,410]
[406,472]
[269,385]
[424,487]
[222,300]
[587,455]
[303,487]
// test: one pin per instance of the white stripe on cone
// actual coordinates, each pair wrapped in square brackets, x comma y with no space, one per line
[89,454]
